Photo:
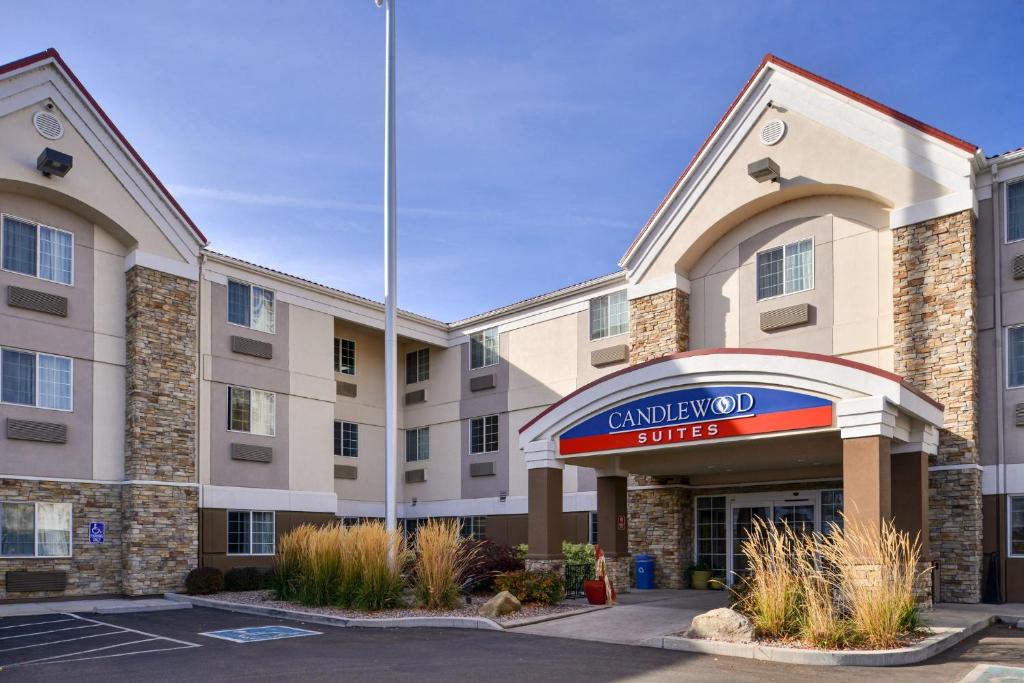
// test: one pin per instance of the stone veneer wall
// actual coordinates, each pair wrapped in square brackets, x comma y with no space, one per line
[161,521]
[935,304]
[659,325]
[93,568]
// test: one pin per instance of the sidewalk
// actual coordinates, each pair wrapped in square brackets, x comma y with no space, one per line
[97,606]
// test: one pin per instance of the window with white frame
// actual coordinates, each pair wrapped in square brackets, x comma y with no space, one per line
[1015,211]
[345,356]
[474,528]
[35,379]
[250,532]
[483,348]
[785,270]
[1016,525]
[483,434]
[35,529]
[1015,356]
[417,366]
[417,444]
[711,532]
[250,306]
[831,510]
[251,411]
[346,439]
[37,250]
[609,315]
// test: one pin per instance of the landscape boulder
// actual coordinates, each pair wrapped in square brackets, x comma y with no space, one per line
[722,624]
[501,604]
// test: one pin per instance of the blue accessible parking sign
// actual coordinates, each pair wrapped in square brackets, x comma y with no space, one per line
[97,532]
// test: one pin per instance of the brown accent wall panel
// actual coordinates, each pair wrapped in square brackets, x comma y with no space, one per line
[33,300]
[252,347]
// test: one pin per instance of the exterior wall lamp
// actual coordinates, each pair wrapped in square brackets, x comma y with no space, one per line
[51,162]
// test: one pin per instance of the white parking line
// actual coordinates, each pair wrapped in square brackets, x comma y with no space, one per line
[58,642]
[83,652]
[52,630]
[141,633]
[36,623]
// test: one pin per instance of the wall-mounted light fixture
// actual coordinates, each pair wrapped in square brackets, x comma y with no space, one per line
[414,501]
[763,169]
[51,162]
[502,495]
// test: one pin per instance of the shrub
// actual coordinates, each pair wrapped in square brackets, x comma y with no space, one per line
[772,600]
[442,557]
[544,587]
[321,567]
[291,553]
[244,579]
[522,550]
[489,560]
[377,582]
[578,553]
[204,581]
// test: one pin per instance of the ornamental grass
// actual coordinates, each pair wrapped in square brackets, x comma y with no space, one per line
[772,588]
[443,556]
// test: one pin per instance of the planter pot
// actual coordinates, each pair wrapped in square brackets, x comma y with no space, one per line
[594,590]
[699,579]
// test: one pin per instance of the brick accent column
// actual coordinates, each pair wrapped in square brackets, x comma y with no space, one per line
[160,521]
[659,325]
[936,350]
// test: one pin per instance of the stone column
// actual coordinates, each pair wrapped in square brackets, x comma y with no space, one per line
[544,512]
[936,350]
[659,325]
[160,506]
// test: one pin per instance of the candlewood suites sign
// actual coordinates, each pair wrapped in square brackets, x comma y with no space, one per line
[699,414]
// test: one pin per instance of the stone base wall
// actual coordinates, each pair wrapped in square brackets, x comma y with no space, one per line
[956,526]
[93,568]
[659,325]
[620,571]
[161,537]
[661,525]
[557,566]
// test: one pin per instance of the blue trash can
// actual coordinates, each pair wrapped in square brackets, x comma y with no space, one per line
[644,572]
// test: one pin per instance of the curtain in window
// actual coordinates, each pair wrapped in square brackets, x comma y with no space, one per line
[17,529]
[238,303]
[53,522]
[1015,211]
[262,533]
[19,246]
[19,377]
[799,266]
[262,309]
[263,413]
[238,533]
[54,382]
[239,409]
[55,248]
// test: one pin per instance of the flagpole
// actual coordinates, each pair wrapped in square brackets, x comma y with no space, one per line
[390,278]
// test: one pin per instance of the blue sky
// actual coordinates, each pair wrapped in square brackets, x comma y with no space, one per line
[535,137]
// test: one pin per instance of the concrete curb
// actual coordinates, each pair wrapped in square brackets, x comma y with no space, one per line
[530,621]
[328,620]
[941,640]
[131,609]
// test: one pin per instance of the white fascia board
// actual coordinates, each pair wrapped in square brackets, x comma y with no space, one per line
[39,85]
[137,257]
[281,500]
[933,208]
[1013,479]
[657,285]
[581,501]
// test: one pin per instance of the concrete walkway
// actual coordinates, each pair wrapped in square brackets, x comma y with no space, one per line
[638,616]
[97,606]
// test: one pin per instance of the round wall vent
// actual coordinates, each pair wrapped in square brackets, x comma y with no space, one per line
[48,125]
[773,131]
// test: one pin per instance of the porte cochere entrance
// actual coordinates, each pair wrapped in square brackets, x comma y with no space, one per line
[689,449]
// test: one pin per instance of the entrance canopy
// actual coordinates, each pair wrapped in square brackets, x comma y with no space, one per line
[691,406]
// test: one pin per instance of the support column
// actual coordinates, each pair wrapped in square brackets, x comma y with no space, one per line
[612,531]
[544,512]
[910,512]
[867,479]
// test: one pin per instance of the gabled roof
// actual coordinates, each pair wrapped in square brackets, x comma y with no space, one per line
[770,59]
[52,54]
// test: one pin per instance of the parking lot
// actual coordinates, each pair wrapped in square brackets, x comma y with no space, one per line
[178,645]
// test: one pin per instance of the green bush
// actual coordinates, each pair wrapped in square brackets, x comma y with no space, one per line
[245,579]
[204,581]
[578,553]
[544,587]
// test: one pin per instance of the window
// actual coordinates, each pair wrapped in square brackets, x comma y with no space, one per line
[1015,212]
[35,529]
[593,528]
[35,379]
[474,527]
[250,306]
[831,510]
[345,356]
[609,315]
[417,366]
[39,251]
[785,270]
[710,525]
[483,348]
[346,439]
[417,444]
[250,532]
[1017,525]
[251,411]
[483,434]
[1015,356]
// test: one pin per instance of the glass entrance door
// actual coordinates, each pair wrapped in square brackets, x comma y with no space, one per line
[798,515]
[742,524]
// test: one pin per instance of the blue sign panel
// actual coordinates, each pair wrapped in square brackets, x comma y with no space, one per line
[97,532]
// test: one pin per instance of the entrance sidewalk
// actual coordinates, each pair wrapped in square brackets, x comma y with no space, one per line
[97,606]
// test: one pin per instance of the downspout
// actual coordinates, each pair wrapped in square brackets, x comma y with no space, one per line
[199,402]
[997,299]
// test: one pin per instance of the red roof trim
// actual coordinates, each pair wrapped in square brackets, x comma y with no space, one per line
[53,54]
[832,85]
[735,351]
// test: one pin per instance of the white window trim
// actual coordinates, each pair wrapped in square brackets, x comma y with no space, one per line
[590,303]
[1006,210]
[355,366]
[273,416]
[497,430]
[70,409]
[35,532]
[38,250]
[252,307]
[757,275]
[497,352]
[1006,359]
[343,423]
[1009,525]
[273,545]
